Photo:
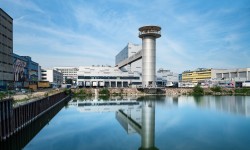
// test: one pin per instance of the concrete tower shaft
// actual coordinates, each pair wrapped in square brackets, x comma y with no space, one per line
[148,34]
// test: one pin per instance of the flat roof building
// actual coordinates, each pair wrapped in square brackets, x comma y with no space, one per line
[198,75]
[68,73]
[6,50]
[53,76]
[106,76]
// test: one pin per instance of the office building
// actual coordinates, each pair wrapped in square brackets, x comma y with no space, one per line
[26,71]
[218,77]
[53,76]
[6,50]
[68,73]
[198,75]
[33,69]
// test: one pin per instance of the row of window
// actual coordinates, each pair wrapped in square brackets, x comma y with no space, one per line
[3,53]
[6,45]
[6,28]
[105,77]
[6,72]
[5,36]
[6,19]
[6,63]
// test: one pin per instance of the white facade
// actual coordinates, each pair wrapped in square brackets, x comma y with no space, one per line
[129,50]
[163,77]
[106,76]
[53,76]
[166,77]
[68,72]
[238,75]
[39,73]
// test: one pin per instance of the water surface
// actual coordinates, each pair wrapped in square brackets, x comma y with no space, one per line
[185,122]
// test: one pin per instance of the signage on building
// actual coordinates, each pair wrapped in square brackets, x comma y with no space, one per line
[19,72]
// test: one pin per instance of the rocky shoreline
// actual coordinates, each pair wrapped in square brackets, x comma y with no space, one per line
[165,91]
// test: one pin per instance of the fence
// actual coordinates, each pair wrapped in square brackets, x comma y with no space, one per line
[13,119]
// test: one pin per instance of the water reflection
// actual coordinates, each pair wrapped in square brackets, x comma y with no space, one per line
[239,105]
[135,116]
[231,104]
[145,126]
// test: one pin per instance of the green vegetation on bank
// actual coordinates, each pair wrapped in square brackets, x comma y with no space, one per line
[81,92]
[2,95]
[242,91]
[5,94]
[198,90]
[216,89]
[104,91]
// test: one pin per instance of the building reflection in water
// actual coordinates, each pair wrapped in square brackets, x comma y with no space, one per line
[134,116]
[239,105]
[145,127]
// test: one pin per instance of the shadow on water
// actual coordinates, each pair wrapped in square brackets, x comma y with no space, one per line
[20,139]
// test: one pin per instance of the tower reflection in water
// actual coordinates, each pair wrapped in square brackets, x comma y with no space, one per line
[145,127]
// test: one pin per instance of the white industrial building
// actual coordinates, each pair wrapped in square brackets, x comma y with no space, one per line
[235,77]
[53,76]
[166,78]
[106,76]
[130,60]
[68,73]
[240,75]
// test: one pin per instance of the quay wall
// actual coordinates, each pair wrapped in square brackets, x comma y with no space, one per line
[12,119]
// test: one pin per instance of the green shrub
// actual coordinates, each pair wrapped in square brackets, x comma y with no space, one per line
[198,90]
[82,92]
[104,91]
[67,91]
[245,91]
[2,95]
[216,89]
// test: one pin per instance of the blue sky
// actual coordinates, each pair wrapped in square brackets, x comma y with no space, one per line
[195,33]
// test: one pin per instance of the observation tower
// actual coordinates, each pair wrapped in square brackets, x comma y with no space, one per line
[148,34]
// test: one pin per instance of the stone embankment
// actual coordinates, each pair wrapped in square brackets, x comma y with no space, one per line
[165,91]
[122,91]
[134,91]
[178,91]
